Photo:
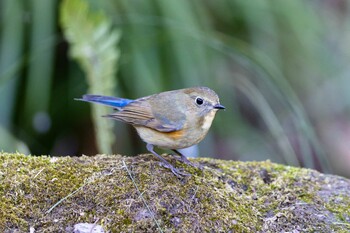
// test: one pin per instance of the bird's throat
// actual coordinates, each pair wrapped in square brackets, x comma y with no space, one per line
[207,120]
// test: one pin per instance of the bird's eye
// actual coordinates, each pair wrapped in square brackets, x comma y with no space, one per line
[199,101]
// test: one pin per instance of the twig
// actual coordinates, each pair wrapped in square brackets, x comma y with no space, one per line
[141,195]
[38,173]
[88,181]
[195,192]
[93,226]
[69,195]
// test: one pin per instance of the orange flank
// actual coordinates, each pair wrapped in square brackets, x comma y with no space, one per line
[175,134]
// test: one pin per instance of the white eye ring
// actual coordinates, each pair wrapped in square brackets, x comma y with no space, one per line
[199,101]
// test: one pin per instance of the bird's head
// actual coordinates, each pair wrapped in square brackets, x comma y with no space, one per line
[202,101]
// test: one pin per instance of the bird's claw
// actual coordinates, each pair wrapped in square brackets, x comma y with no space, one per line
[175,171]
[189,163]
[185,160]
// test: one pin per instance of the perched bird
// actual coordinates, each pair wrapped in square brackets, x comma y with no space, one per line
[171,120]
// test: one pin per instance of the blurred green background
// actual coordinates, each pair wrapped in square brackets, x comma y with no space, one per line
[281,68]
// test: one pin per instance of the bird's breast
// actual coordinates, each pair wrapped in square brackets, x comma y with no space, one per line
[170,140]
[192,133]
[175,134]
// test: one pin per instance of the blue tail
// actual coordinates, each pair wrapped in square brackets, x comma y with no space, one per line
[106,100]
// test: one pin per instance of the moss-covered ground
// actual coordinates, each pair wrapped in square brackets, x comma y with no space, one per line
[53,194]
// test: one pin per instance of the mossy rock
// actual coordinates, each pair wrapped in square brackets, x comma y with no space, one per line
[52,194]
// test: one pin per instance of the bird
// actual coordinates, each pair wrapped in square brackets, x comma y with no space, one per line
[172,120]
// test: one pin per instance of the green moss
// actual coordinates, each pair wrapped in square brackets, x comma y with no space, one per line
[224,196]
[342,211]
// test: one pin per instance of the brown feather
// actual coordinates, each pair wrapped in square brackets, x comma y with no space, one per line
[140,113]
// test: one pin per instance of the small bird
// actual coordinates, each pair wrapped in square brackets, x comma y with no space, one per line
[171,120]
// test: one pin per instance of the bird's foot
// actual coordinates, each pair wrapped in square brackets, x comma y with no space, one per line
[189,163]
[186,161]
[166,164]
[175,171]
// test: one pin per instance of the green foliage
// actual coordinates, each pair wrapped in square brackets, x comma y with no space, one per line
[40,65]
[93,44]
[280,68]
[11,47]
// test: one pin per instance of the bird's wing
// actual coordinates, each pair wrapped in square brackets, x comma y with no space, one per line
[140,112]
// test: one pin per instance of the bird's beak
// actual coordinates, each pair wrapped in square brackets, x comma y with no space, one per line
[219,106]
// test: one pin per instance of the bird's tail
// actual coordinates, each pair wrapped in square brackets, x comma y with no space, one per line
[106,100]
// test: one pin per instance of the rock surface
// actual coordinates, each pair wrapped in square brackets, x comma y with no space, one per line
[135,194]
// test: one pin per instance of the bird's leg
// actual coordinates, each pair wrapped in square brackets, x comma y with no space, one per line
[186,161]
[165,163]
